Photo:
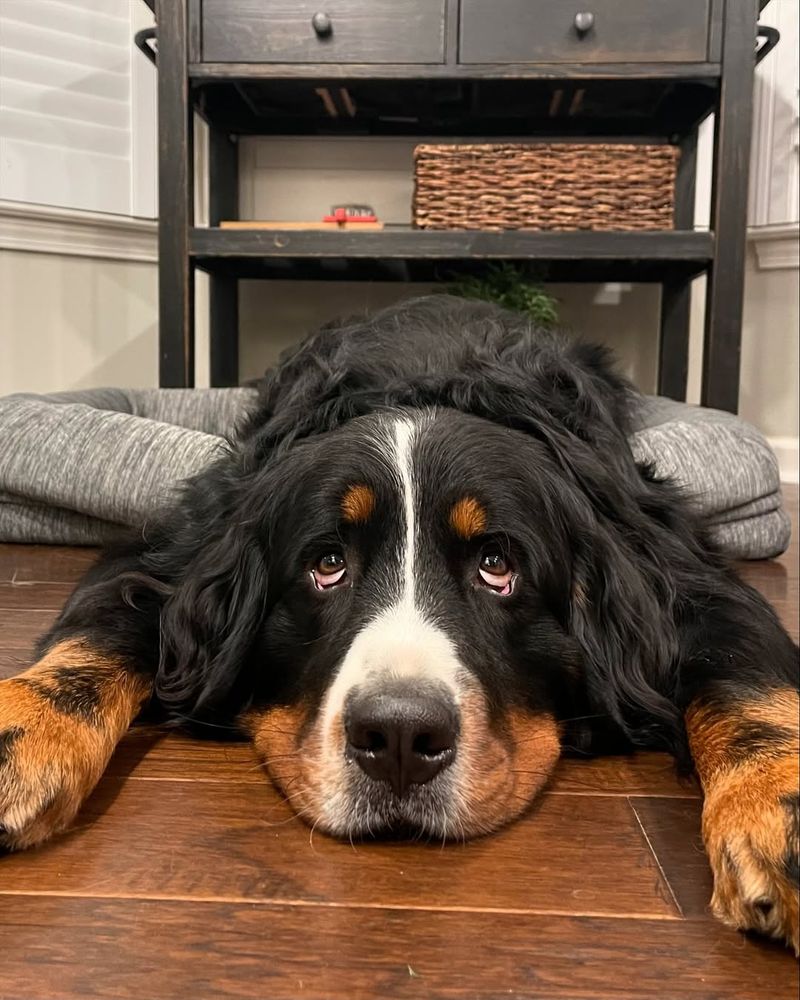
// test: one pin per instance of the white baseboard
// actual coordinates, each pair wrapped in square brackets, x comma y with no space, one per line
[47,229]
[788,451]
[777,247]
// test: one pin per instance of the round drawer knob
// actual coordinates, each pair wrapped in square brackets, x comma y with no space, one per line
[584,21]
[322,24]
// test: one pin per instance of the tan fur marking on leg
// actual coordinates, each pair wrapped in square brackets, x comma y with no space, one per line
[61,748]
[73,653]
[713,733]
[750,833]
[781,708]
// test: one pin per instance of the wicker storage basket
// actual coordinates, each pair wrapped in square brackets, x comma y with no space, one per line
[556,186]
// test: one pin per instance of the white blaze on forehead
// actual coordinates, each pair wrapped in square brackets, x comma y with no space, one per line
[401,640]
[404,466]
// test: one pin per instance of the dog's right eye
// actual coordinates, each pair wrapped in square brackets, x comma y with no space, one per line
[329,570]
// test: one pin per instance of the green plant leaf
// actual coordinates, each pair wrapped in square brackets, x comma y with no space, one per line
[513,287]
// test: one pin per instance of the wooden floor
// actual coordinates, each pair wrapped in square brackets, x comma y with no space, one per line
[187,877]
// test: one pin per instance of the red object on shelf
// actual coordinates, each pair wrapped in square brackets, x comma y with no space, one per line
[351,213]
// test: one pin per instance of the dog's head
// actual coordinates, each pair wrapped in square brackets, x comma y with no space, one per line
[412,605]
[416,656]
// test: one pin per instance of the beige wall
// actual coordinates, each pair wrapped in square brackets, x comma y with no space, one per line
[769,394]
[770,387]
[76,322]
[277,314]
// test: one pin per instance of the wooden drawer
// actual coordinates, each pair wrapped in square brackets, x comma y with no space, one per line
[360,31]
[525,31]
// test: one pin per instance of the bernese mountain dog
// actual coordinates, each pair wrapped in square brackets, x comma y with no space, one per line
[427,563]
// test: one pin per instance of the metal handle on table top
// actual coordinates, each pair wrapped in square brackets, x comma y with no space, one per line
[142,39]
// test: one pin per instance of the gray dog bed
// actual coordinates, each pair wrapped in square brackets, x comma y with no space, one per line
[75,466]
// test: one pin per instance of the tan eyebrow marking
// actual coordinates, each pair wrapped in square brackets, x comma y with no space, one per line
[358,503]
[468,518]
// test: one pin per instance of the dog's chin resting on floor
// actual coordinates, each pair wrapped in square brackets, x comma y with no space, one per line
[428,562]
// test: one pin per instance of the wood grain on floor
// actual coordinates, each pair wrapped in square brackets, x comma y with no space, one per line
[187,876]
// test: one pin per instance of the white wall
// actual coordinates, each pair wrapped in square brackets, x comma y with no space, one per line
[76,322]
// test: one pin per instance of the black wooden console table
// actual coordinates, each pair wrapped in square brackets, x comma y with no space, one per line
[633,70]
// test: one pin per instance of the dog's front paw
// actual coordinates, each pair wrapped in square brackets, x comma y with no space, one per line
[50,759]
[59,724]
[751,829]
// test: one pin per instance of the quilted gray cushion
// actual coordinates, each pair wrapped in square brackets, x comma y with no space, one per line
[726,466]
[74,466]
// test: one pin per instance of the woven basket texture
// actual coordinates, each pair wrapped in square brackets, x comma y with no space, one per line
[544,186]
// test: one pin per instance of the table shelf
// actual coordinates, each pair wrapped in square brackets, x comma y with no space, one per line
[407,254]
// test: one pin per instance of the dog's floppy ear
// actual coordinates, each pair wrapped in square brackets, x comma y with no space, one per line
[212,615]
[636,559]
[622,615]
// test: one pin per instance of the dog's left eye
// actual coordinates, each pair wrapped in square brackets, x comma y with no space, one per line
[330,570]
[496,572]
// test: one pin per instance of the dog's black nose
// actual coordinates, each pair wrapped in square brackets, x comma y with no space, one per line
[402,736]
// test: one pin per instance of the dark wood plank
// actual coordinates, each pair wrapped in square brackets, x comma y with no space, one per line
[779,587]
[34,596]
[415,268]
[672,827]
[715,25]
[451,15]
[194,25]
[104,949]
[223,199]
[13,662]
[222,71]
[673,345]
[732,133]
[452,244]
[639,774]
[154,753]
[572,854]
[676,292]
[223,329]
[19,628]
[175,199]
[44,563]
